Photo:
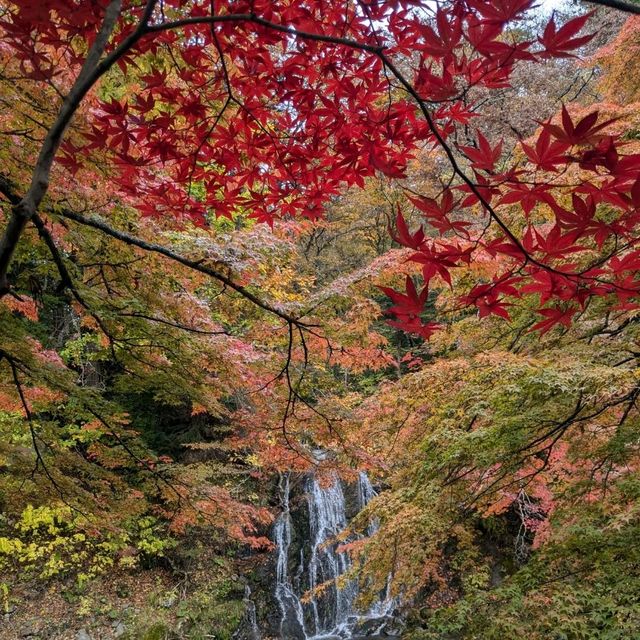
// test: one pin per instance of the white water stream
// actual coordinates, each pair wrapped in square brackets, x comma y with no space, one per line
[330,614]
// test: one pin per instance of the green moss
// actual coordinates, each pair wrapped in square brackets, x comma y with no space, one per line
[158,631]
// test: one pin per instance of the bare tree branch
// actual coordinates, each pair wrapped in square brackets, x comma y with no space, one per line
[196,265]
[620,5]
[6,188]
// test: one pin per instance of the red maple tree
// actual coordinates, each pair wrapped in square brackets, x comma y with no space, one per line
[274,107]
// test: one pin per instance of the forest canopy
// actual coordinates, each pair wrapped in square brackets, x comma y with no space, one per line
[402,233]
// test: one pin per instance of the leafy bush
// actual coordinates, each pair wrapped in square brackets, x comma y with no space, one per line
[50,541]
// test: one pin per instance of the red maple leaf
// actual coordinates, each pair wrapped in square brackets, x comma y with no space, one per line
[484,156]
[558,43]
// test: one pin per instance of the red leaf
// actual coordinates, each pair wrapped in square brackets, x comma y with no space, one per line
[404,237]
[409,304]
[554,316]
[501,11]
[546,155]
[558,43]
[484,156]
[415,325]
[493,305]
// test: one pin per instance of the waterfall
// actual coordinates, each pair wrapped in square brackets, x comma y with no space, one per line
[251,616]
[291,620]
[331,612]
[366,493]
[327,518]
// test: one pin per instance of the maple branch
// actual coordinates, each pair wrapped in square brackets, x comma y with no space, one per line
[558,430]
[196,265]
[290,406]
[377,50]
[274,26]
[6,189]
[170,323]
[67,281]
[40,463]
[92,70]
[620,5]
[24,210]
[409,88]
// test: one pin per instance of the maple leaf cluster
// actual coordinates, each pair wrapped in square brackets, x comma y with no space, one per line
[572,242]
[270,109]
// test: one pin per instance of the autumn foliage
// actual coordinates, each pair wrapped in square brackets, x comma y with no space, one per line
[209,208]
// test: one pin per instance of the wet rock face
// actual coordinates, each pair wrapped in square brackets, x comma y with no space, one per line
[300,547]
[382,627]
[353,501]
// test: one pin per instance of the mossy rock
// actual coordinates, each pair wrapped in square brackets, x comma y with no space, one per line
[227,618]
[158,631]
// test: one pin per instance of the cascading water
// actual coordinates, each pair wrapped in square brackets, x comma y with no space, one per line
[327,517]
[332,613]
[366,493]
[252,630]
[292,619]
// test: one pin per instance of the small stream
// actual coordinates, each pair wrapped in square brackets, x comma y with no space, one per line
[332,613]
